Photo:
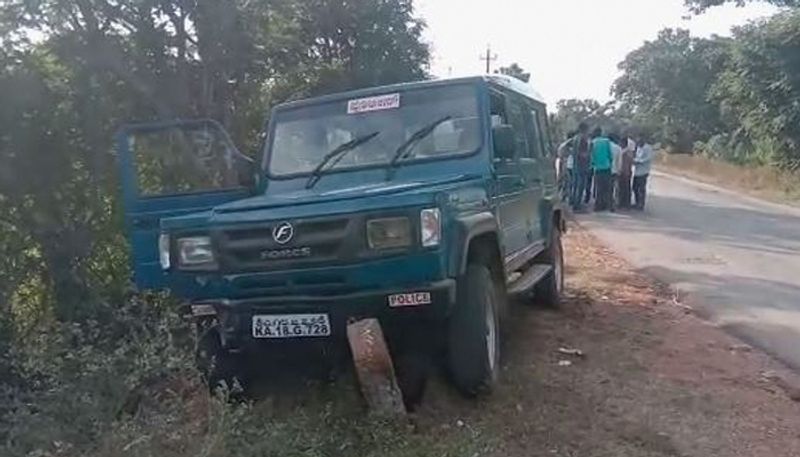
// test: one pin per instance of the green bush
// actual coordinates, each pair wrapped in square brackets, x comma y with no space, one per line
[127,387]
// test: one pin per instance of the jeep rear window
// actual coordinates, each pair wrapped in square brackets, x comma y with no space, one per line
[302,136]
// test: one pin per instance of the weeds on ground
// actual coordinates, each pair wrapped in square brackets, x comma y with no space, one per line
[128,388]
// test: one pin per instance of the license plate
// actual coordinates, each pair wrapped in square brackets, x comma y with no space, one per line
[291,326]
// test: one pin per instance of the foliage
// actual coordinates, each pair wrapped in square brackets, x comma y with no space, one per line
[699,6]
[732,98]
[759,90]
[515,71]
[74,71]
[667,81]
[610,116]
[71,73]
[131,390]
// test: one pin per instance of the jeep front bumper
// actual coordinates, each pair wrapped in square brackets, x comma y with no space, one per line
[235,316]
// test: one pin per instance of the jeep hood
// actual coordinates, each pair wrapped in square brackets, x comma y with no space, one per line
[313,195]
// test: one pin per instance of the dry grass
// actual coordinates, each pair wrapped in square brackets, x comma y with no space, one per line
[764,182]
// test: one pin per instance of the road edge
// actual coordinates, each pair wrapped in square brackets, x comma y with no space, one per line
[692,303]
[794,210]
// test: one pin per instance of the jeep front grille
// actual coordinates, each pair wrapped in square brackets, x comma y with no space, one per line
[314,241]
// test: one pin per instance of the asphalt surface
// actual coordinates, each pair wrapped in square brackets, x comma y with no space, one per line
[733,258]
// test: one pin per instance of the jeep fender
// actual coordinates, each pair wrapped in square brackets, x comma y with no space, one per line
[466,229]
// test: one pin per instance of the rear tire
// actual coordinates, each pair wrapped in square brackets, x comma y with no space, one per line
[473,343]
[548,291]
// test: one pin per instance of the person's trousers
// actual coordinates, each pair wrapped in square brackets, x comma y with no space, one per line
[624,191]
[577,187]
[614,191]
[565,185]
[640,190]
[602,182]
[590,189]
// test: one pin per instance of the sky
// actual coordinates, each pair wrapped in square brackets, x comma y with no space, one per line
[571,47]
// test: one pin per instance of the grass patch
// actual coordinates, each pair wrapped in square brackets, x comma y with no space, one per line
[129,388]
[760,181]
[325,424]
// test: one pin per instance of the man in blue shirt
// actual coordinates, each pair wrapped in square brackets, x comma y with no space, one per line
[602,161]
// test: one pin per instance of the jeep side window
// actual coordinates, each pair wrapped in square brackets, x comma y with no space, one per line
[535,135]
[539,120]
[517,117]
[497,110]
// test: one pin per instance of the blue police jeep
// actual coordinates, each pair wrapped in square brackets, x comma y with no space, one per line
[425,205]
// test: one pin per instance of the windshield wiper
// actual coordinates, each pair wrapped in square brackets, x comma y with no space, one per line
[406,150]
[336,155]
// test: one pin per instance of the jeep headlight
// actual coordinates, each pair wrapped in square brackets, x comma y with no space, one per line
[389,233]
[430,221]
[195,252]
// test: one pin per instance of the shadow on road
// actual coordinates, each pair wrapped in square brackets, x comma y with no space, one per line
[737,227]
[734,263]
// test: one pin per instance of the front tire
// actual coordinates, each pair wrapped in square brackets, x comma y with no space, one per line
[474,336]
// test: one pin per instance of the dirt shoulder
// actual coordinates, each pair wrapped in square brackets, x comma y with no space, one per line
[654,381]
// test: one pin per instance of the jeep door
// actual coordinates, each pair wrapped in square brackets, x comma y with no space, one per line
[171,169]
[546,152]
[531,160]
[509,197]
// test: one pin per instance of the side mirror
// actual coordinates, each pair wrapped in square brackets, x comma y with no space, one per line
[503,142]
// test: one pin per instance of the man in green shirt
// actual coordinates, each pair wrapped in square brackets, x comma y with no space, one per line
[602,161]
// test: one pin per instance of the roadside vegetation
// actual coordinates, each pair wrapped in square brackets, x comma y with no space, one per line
[761,181]
[726,99]
[79,350]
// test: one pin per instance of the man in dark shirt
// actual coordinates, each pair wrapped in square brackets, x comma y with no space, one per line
[582,165]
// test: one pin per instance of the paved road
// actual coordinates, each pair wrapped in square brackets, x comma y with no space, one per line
[734,258]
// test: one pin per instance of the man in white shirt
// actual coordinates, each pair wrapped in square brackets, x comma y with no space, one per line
[616,167]
[566,165]
[626,173]
[641,171]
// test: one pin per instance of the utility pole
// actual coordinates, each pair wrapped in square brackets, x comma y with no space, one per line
[489,58]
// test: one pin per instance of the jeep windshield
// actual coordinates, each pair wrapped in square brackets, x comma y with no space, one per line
[303,136]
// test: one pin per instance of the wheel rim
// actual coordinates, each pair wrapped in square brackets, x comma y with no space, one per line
[491,335]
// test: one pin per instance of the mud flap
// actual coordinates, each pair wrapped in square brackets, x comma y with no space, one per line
[374,368]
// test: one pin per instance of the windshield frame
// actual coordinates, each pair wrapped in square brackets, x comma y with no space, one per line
[475,85]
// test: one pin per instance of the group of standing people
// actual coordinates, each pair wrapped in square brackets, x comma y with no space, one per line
[607,167]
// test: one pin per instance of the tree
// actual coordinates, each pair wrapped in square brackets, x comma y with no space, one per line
[515,71]
[570,113]
[699,6]
[96,64]
[667,81]
[759,90]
